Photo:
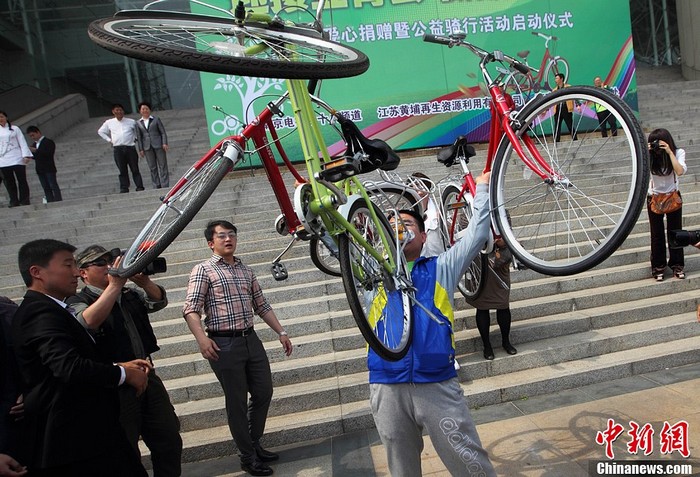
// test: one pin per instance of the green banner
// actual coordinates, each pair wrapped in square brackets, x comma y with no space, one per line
[418,94]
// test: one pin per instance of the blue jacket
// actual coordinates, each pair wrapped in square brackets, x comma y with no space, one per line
[430,358]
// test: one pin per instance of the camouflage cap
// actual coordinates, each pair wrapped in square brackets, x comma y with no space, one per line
[90,254]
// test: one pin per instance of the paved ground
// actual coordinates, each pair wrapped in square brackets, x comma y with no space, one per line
[545,436]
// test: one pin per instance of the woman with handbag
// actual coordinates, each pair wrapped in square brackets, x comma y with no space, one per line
[14,154]
[667,164]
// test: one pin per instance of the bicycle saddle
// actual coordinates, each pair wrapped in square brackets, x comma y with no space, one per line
[375,152]
[460,147]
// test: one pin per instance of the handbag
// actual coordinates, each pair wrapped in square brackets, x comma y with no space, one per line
[666,203]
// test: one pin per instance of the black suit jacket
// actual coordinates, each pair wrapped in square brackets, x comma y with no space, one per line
[70,395]
[43,156]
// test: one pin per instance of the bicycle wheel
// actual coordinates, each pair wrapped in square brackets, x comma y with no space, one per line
[179,207]
[391,198]
[218,45]
[323,258]
[585,207]
[556,65]
[380,305]
[520,87]
[459,212]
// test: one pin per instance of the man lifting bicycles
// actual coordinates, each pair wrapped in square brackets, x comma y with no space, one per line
[422,391]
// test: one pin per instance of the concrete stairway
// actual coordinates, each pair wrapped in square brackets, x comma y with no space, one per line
[607,323]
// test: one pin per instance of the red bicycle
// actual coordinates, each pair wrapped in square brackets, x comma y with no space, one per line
[562,207]
[526,84]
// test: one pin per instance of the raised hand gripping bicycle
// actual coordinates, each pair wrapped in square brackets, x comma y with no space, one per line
[561,207]
[454,210]
[332,205]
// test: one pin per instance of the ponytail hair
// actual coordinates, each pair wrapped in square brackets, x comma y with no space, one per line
[9,124]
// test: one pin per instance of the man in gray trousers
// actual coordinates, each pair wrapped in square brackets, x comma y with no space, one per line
[421,391]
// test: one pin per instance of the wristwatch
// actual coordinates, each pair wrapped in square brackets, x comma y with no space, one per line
[282,333]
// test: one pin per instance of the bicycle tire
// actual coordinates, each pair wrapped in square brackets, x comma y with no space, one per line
[518,84]
[472,282]
[579,216]
[322,258]
[381,309]
[178,209]
[394,198]
[555,66]
[204,43]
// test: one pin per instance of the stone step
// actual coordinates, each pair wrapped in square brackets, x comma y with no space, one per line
[354,415]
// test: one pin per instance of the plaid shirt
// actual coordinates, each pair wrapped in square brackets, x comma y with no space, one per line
[228,294]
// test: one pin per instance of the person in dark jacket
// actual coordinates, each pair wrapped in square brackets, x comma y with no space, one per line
[495,296]
[153,144]
[11,399]
[44,150]
[71,405]
[118,318]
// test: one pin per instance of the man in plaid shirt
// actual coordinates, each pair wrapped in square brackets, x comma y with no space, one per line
[228,293]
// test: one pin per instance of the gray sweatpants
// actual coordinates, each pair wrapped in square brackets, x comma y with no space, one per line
[401,412]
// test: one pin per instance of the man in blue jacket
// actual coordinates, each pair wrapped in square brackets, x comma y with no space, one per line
[421,391]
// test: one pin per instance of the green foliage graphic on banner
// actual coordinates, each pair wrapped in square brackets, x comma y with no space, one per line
[418,95]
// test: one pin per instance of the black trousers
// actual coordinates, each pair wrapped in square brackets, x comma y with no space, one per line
[242,369]
[50,185]
[152,416]
[117,461]
[605,119]
[16,184]
[127,158]
[563,115]
[674,221]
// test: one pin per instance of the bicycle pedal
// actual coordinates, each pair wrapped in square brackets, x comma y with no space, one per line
[279,271]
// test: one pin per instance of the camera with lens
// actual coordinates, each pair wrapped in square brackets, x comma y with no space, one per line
[683,238]
[655,145]
[158,265]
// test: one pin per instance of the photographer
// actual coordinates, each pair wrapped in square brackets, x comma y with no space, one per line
[667,164]
[117,317]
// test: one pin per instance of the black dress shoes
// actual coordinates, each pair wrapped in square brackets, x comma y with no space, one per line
[265,455]
[510,349]
[488,353]
[256,468]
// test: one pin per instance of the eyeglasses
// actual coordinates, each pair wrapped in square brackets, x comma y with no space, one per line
[99,263]
[224,236]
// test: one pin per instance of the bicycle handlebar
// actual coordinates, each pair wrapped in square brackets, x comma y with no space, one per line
[486,57]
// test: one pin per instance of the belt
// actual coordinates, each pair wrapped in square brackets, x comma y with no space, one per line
[231,333]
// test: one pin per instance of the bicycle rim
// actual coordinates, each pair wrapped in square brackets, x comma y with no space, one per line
[382,310]
[581,213]
[391,199]
[558,65]
[177,210]
[217,45]
[460,212]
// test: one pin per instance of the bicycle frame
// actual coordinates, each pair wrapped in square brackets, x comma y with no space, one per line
[503,118]
[326,197]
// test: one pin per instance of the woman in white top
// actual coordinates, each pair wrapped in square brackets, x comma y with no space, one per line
[667,165]
[14,154]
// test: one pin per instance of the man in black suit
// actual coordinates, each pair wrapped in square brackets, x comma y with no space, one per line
[71,417]
[44,149]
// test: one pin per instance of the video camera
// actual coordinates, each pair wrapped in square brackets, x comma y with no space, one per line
[158,265]
[683,238]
